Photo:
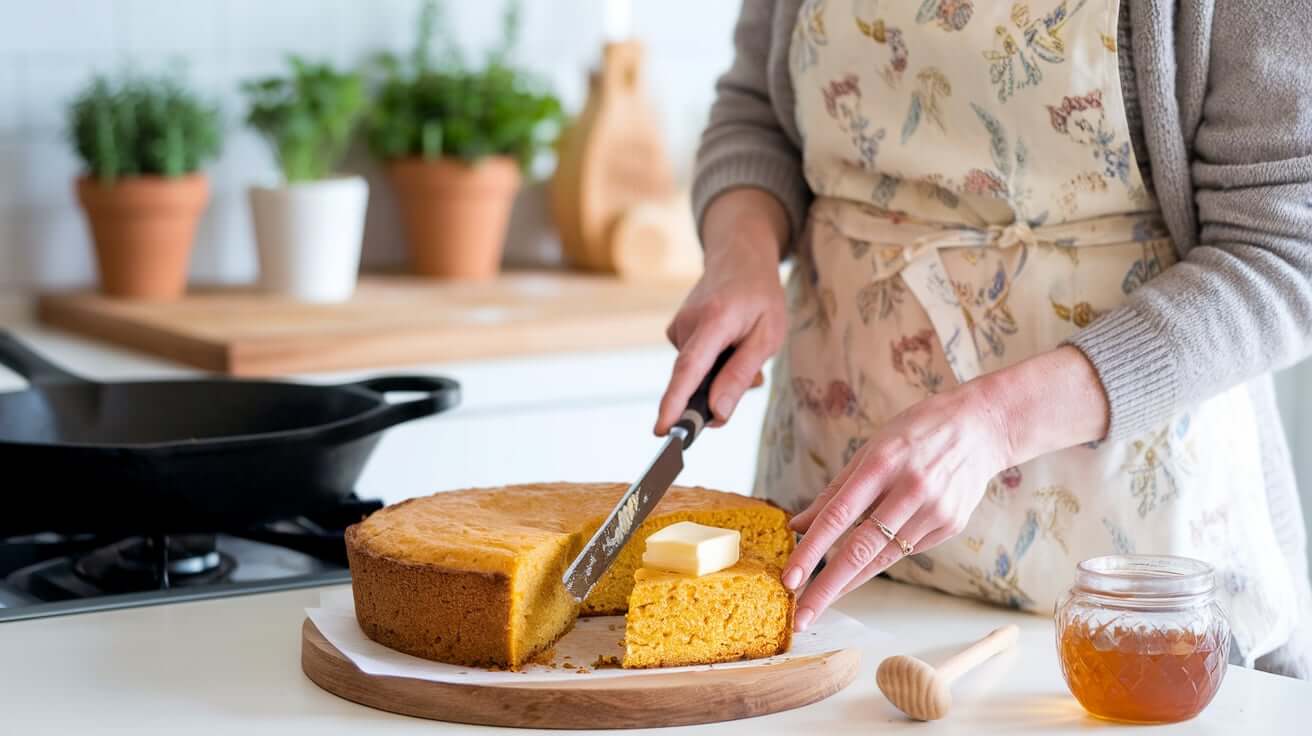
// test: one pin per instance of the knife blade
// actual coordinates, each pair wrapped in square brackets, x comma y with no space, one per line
[640,498]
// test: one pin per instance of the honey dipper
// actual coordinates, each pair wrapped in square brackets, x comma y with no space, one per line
[923,692]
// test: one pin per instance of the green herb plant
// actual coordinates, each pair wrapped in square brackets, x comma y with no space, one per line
[142,126]
[433,104]
[307,117]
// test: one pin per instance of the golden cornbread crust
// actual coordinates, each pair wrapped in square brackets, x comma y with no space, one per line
[473,577]
[405,606]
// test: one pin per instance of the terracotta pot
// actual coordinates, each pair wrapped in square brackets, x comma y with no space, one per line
[143,228]
[455,214]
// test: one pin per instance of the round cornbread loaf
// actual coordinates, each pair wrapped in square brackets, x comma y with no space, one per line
[473,577]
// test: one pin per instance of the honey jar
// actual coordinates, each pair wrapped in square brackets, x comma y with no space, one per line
[1141,638]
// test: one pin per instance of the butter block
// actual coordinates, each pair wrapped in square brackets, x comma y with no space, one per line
[692,549]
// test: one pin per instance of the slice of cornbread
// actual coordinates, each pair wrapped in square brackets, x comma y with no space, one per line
[473,577]
[741,612]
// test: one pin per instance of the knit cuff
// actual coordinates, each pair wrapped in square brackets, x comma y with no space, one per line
[780,176]
[1133,359]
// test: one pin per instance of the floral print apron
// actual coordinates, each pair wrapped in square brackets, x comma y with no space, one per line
[978,201]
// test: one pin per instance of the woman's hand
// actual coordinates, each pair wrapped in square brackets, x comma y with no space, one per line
[738,301]
[925,471]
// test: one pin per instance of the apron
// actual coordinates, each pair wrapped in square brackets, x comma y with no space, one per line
[977,202]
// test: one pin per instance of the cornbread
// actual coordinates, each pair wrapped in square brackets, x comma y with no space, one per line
[692,548]
[742,612]
[473,577]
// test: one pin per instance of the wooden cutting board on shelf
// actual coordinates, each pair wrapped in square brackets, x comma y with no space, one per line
[391,320]
[648,700]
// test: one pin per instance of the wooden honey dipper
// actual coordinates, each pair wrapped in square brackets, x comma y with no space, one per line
[925,693]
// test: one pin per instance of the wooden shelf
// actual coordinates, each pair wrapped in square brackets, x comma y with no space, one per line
[392,320]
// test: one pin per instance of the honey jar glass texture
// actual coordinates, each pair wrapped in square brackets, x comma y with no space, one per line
[1141,638]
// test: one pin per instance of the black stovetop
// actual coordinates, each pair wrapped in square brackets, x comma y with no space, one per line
[51,574]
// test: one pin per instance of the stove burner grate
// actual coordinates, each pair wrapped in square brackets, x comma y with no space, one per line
[155,562]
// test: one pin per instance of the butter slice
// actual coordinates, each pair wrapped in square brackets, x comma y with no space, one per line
[692,549]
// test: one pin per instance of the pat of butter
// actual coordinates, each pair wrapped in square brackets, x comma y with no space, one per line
[692,549]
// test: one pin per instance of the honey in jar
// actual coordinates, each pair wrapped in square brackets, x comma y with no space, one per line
[1141,639]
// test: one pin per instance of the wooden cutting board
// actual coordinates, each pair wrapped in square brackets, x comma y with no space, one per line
[391,320]
[641,701]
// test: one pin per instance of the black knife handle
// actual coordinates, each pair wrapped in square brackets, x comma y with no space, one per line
[698,414]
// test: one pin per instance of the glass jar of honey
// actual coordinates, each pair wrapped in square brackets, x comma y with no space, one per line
[1141,638]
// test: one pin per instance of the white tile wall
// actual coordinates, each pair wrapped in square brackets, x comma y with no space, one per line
[50,48]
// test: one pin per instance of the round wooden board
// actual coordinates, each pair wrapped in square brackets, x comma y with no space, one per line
[640,701]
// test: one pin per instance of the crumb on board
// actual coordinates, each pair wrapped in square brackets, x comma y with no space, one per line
[583,671]
[568,665]
[610,627]
[606,660]
[544,657]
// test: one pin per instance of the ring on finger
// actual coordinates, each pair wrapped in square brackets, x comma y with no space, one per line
[906,547]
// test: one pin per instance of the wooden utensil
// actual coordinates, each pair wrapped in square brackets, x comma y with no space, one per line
[925,693]
[611,158]
[657,241]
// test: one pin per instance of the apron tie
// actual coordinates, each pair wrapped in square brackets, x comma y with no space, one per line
[915,256]
[993,236]
[1010,236]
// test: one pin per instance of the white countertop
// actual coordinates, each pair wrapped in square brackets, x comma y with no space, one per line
[232,667]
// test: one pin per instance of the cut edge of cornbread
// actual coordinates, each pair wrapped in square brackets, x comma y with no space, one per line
[674,619]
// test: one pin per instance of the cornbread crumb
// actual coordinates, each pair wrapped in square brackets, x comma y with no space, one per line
[544,657]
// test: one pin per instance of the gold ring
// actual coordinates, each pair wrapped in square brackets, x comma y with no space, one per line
[906,547]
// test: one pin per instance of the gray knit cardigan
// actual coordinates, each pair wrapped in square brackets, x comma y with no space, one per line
[1224,92]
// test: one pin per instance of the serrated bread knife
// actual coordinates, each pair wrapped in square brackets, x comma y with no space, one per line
[641,497]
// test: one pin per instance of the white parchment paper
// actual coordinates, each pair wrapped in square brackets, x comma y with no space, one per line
[591,638]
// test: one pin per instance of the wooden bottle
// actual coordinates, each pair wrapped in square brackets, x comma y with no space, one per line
[610,159]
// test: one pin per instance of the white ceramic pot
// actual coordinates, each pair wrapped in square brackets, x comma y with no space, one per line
[308,235]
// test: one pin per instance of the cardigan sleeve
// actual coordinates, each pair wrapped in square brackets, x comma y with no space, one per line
[1239,304]
[744,144]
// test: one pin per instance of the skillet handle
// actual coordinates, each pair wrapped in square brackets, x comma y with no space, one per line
[27,363]
[443,393]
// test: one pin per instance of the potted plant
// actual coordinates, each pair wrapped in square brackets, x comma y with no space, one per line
[309,228]
[454,139]
[143,141]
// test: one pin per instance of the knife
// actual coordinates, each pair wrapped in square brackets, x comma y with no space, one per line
[641,497]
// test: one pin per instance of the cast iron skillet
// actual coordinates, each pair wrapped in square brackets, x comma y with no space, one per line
[186,455]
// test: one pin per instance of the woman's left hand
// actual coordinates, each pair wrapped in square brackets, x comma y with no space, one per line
[925,471]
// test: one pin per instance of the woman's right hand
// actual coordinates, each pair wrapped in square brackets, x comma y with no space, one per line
[738,301]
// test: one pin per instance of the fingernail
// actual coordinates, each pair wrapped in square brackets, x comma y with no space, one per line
[803,620]
[793,578]
[723,408]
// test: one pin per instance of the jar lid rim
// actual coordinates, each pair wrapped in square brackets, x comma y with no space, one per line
[1145,575]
